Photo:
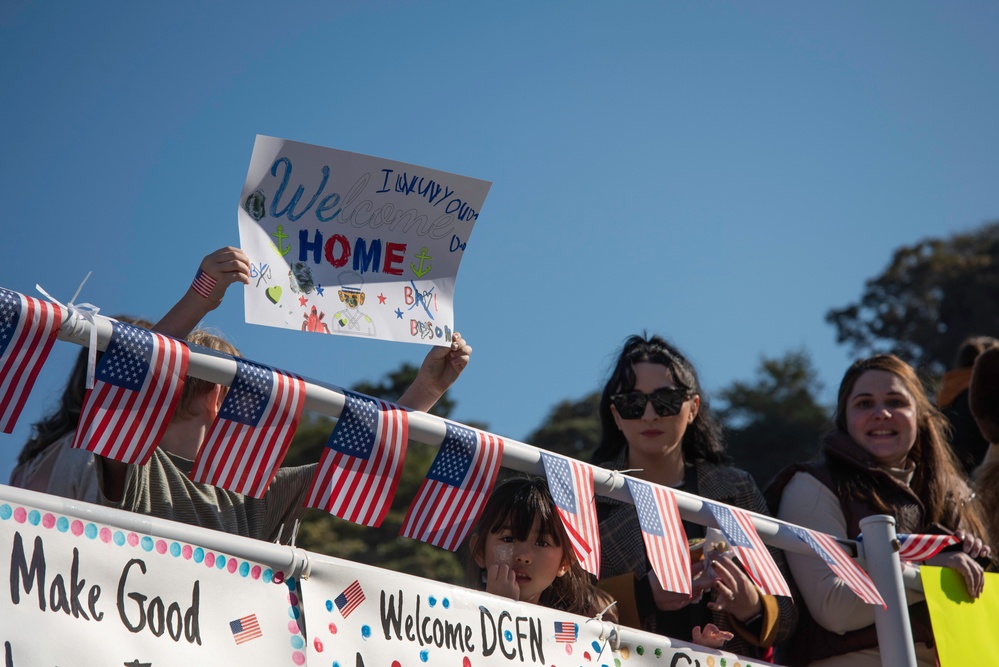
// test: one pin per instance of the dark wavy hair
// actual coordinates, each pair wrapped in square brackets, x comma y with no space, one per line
[702,441]
[66,416]
[938,479]
[515,503]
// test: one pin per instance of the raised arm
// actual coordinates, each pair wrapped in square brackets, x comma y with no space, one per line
[440,368]
[218,270]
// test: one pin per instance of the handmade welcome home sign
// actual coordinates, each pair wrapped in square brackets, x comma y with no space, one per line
[350,244]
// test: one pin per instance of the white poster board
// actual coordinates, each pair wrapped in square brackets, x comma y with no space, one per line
[354,245]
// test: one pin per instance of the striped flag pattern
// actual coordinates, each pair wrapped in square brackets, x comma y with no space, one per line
[917,548]
[350,599]
[246,628]
[250,435]
[737,525]
[203,284]
[566,632]
[456,488]
[571,485]
[839,562]
[136,391]
[28,328]
[662,530]
[359,470]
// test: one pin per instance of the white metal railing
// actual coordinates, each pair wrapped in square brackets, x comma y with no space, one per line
[878,550]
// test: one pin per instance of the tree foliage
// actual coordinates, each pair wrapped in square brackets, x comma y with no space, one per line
[933,295]
[775,419]
[572,428]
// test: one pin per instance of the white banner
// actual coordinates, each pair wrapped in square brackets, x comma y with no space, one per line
[351,244]
[88,587]
[89,594]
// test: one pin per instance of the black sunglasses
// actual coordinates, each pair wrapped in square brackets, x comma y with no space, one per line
[666,402]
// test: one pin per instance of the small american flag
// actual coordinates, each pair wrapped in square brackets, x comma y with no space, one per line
[839,562]
[456,488]
[917,548]
[28,328]
[203,284]
[566,632]
[662,530]
[737,525]
[359,470]
[349,600]
[250,435]
[137,389]
[571,485]
[246,628]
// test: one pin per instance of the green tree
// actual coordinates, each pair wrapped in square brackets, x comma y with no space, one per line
[932,296]
[572,428]
[382,546]
[775,419]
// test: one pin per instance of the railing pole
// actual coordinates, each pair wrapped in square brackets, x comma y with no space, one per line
[885,568]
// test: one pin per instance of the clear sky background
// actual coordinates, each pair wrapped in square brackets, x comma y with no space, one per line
[720,173]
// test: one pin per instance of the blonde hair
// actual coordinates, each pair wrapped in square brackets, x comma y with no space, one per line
[195,388]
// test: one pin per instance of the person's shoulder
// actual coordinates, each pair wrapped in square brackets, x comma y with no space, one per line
[724,472]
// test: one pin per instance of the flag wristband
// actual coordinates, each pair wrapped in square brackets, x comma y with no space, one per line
[203,284]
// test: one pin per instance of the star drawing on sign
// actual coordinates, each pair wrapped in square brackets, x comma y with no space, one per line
[398,313]
[302,300]
[381,298]
[319,290]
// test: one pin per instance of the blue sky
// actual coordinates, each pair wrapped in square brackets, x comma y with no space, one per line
[722,174]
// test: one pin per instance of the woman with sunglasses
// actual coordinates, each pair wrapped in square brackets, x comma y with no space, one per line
[655,424]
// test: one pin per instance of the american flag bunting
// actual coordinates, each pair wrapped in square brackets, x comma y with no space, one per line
[456,488]
[917,548]
[138,384]
[832,554]
[662,530]
[359,469]
[28,328]
[737,525]
[247,442]
[571,485]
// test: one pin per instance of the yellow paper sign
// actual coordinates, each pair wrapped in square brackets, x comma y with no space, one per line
[964,630]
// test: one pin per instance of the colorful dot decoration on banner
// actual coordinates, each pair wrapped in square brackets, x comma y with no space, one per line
[107,535]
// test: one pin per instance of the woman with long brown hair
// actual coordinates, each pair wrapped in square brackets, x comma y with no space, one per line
[887,454]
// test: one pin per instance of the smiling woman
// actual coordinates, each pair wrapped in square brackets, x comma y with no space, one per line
[887,454]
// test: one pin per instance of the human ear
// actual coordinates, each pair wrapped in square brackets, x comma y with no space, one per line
[479,557]
[695,405]
[617,417]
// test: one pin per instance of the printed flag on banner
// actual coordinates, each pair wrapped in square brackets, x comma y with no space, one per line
[360,467]
[839,562]
[137,389]
[350,599]
[566,632]
[456,488]
[246,628]
[28,328]
[571,485]
[737,525]
[250,435]
[662,530]
[917,548]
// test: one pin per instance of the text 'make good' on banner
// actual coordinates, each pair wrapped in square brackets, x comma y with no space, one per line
[350,244]
[78,592]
